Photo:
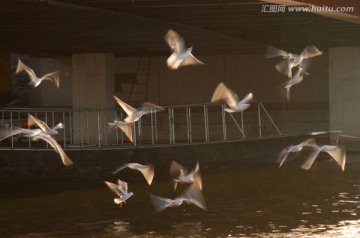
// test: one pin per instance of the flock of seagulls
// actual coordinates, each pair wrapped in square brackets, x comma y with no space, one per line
[192,195]
[336,152]
[180,57]
[290,61]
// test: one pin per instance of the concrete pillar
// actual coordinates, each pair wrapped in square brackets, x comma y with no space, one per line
[344,89]
[93,89]
[5,78]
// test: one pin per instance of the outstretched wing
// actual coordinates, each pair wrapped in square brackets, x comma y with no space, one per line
[21,67]
[127,108]
[175,41]
[274,52]
[53,77]
[193,195]
[190,60]
[149,107]
[148,172]
[65,159]
[6,133]
[127,129]
[339,155]
[311,158]
[43,126]
[247,98]
[160,203]
[223,93]
[311,51]
[177,170]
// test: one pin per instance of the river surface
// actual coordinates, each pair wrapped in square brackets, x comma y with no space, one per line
[242,201]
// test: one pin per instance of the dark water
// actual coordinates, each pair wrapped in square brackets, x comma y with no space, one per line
[242,201]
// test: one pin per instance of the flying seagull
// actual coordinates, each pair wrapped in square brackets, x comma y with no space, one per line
[135,114]
[42,133]
[180,56]
[179,174]
[146,170]
[283,155]
[291,60]
[192,195]
[121,189]
[34,80]
[223,93]
[338,153]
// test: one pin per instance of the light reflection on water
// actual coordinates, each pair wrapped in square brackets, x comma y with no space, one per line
[242,201]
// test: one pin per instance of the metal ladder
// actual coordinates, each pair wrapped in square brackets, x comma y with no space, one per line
[139,89]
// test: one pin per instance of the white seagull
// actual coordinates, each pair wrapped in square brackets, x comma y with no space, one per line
[298,77]
[338,153]
[179,174]
[291,60]
[121,189]
[146,170]
[223,93]
[125,127]
[192,195]
[135,114]
[42,133]
[43,126]
[283,155]
[180,56]
[34,80]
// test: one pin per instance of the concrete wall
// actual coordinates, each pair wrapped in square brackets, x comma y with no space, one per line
[344,88]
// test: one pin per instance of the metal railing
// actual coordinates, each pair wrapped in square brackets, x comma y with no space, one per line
[182,124]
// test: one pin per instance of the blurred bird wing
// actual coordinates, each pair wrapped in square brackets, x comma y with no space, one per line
[339,155]
[120,168]
[5,133]
[311,51]
[127,108]
[175,41]
[223,93]
[21,66]
[174,61]
[148,172]
[127,129]
[274,52]
[309,143]
[284,68]
[151,107]
[193,195]
[160,203]
[123,186]
[58,126]
[247,98]
[112,186]
[283,156]
[197,175]
[134,117]
[54,77]
[311,158]
[65,159]
[43,126]
[190,60]
[176,170]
